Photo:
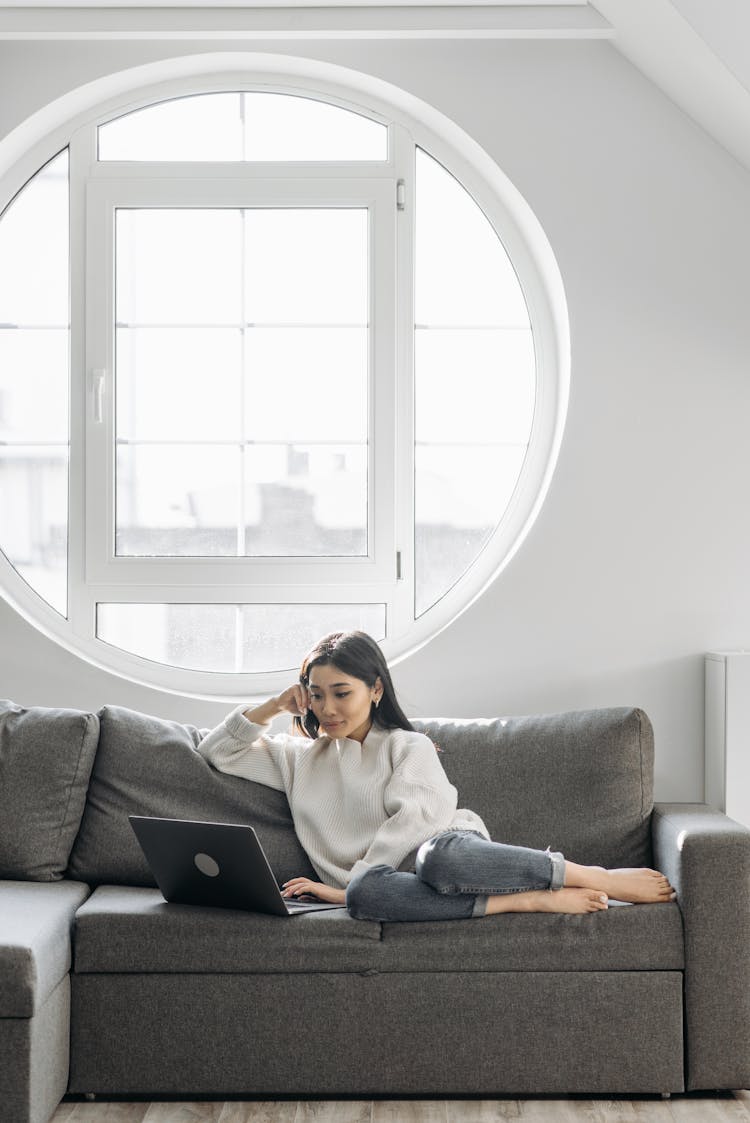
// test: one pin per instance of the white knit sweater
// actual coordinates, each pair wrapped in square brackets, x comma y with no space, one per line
[353,805]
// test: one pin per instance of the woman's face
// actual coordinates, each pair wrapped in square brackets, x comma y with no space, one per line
[341,702]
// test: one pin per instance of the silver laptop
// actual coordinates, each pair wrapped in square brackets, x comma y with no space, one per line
[218,864]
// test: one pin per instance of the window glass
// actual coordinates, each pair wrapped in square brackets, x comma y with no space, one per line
[243,126]
[34,251]
[305,500]
[280,127]
[178,266]
[474,378]
[230,638]
[177,500]
[463,274]
[242,355]
[306,266]
[34,365]
[179,383]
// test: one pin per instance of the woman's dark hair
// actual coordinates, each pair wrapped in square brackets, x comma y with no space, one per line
[358,655]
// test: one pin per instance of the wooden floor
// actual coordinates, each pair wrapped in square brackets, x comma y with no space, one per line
[683,1109]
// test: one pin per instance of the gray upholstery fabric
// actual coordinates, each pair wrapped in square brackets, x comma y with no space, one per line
[36,920]
[148,766]
[35,1055]
[578,782]
[121,929]
[362,1034]
[707,858]
[45,763]
[628,938]
[133,929]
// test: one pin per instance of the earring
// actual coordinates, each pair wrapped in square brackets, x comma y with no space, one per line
[377,702]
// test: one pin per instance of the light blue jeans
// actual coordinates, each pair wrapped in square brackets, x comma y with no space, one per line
[455,873]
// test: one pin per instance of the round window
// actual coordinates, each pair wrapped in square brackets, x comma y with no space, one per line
[292,366]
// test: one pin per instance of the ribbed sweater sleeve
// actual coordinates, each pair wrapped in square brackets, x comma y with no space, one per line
[241,748]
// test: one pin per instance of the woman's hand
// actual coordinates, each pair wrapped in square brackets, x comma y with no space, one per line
[294,700]
[303,887]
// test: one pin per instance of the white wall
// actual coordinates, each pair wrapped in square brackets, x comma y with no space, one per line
[640,558]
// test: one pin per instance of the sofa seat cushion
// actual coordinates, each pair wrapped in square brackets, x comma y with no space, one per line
[578,782]
[622,938]
[149,766]
[45,763]
[36,921]
[121,929]
[125,930]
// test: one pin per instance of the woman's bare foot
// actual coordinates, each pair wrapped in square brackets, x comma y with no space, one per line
[639,886]
[575,900]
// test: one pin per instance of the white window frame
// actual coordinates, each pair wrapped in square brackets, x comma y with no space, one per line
[103,567]
[96,576]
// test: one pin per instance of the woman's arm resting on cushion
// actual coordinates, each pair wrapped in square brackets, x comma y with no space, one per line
[240,744]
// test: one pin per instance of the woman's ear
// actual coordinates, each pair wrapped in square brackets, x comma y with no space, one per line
[377,691]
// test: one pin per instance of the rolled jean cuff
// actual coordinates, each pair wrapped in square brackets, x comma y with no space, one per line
[480,905]
[558,869]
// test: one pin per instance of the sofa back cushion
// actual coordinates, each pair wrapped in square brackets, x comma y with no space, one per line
[148,766]
[578,782]
[45,763]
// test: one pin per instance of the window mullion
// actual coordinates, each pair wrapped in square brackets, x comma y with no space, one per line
[97,401]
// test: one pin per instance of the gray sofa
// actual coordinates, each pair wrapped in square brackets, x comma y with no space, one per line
[106,989]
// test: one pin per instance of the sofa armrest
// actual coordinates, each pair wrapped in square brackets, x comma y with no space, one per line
[706,857]
[36,919]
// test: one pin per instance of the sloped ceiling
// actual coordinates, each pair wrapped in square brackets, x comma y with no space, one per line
[696,51]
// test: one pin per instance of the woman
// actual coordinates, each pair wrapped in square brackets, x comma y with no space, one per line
[371,803]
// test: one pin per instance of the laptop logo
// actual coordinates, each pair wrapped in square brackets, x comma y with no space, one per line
[207,865]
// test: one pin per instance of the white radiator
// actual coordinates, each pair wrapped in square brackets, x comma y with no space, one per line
[727,743]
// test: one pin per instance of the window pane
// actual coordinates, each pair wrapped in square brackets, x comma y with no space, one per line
[306,500]
[34,250]
[461,493]
[34,384]
[184,500]
[231,638]
[203,127]
[306,266]
[278,636]
[179,384]
[34,377]
[280,127]
[474,385]
[463,274]
[34,517]
[178,266]
[243,126]
[306,384]
[199,637]
[475,381]
[177,500]
[297,417]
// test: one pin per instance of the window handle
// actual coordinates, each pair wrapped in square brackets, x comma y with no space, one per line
[97,386]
